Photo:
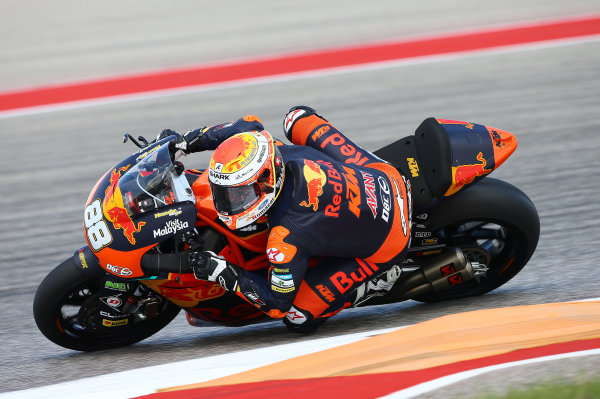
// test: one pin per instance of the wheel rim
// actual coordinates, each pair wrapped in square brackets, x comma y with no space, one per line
[75,311]
[496,244]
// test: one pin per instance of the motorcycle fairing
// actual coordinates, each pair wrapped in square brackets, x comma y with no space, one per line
[86,261]
[114,232]
[445,155]
[475,151]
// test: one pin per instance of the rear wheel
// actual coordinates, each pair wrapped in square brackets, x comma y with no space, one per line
[494,224]
[65,302]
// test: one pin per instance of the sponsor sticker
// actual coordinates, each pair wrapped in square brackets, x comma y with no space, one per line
[82,259]
[114,323]
[112,301]
[170,212]
[369,182]
[282,281]
[111,285]
[171,227]
[384,193]
[282,290]
[118,270]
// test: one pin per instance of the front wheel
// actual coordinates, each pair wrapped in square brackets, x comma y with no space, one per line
[67,295]
[493,223]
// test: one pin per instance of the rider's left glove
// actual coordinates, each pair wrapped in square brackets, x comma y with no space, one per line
[192,141]
[180,143]
[210,267]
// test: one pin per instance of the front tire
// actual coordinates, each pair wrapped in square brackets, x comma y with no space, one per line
[67,288]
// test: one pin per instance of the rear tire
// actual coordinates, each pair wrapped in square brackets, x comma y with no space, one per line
[67,287]
[492,221]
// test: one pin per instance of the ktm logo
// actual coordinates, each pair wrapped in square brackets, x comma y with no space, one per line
[352,193]
[326,292]
[413,166]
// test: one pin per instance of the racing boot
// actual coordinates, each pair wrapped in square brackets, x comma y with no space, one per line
[300,321]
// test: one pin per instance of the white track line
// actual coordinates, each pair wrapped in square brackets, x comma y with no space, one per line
[147,380]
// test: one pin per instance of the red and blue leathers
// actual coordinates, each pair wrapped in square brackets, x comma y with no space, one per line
[341,219]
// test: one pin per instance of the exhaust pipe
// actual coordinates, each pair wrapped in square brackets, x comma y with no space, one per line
[442,273]
[446,271]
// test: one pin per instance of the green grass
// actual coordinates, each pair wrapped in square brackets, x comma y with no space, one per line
[553,390]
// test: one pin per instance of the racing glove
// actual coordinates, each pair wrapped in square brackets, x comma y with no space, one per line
[209,138]
[180,143]
[294,114]
[210,267]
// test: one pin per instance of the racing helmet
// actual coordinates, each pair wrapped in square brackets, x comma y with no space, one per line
[246,175]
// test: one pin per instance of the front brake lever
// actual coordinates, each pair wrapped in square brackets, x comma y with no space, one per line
[128,136]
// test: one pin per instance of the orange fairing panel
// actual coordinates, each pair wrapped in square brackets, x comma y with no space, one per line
[187,292]
[204,201]
[129,261]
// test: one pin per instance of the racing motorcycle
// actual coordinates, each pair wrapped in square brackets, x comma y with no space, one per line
[145,215]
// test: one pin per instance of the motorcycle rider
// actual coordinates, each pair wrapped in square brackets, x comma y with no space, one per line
[338,216]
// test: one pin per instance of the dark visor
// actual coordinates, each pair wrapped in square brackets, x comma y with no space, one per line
[233,200]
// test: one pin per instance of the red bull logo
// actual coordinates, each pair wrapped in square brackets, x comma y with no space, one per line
[466,174]
[315,180]
[115,211]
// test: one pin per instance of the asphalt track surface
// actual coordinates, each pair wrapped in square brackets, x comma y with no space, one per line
[548,96]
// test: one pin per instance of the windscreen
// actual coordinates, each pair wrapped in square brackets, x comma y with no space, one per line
[153,183]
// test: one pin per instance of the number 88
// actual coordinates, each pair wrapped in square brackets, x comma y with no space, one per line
[98,233]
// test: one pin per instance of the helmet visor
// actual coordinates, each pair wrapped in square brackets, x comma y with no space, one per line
[236,199]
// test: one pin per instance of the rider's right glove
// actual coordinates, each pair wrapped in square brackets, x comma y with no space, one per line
[210,267]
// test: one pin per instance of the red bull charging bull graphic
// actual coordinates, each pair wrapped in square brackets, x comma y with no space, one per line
[475,151]
[315,180]
[466,174]
[114,210]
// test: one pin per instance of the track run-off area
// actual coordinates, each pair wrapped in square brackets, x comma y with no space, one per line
[536,76]
[402,362]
